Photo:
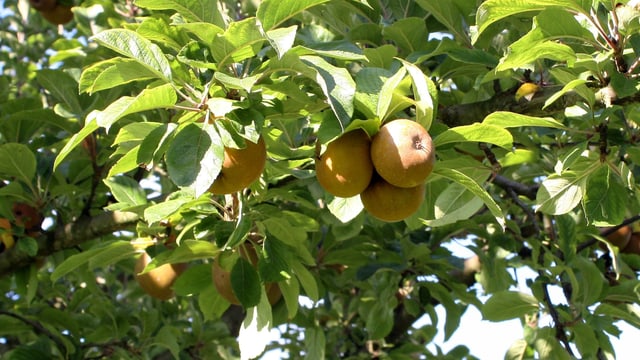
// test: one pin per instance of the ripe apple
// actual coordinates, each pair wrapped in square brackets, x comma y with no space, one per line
[633,247]
[619,238]
[159,281]
[240,168]
[403,153]
[391,203]
[345,167]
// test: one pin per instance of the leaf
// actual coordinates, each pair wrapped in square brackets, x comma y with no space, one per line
[449,15]
[134,46]
[282,39]
[507,119]
[62,87]
[603,194]
[590,282]
[194,280]
[113,249]
[159,97]
[206,11]
[345,209]
[494,10]
[155,213]
[90,126]
[336,84]
[110,73]
[454,204]
[167,337]
[126,190]
[272,13]
[423,87]
[306,279]
[585,339]
[17,160]
[387,94]
[241,40]
[194,158]
[506,305]
[559,194]
[471,185]
[315,343]
[517,350]
[477,132]
[245,283]
[189,250]
[547,346]
[526,53]
[408,33]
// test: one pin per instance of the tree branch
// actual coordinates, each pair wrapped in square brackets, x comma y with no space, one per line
[64,237]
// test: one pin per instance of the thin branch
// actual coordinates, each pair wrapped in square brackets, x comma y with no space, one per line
[38,328]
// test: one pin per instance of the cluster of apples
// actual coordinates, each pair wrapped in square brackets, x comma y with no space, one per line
[387,171]
[53,11]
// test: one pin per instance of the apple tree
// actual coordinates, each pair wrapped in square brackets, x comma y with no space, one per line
[118,117]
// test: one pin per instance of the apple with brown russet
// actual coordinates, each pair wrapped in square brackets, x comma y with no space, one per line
[388,171]
[54,11]
[159,281]
[240,167]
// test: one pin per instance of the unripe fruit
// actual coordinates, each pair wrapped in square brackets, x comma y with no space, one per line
[345,167]
[403,153]
[222,278]
[60,15]
[391,203]
[43,5]
[241,167]
[159,281]
[6,237]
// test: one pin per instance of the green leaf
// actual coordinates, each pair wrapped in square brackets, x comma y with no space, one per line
[272,13]
[211,303]
[241,40]
[62,87]
[517,350]
[206,11]
[163,210]
[290,289]
[387,99]
[159,97]
[114,250]
[134,46]
[282,230]
[547,345]
[167,337]
[603,194]
[245,283]
[17,160]
[27,245]
[194,280]
[477,132]
[626,312]
[506,305]
[194,158]
[449,15]
[585,340]
[379,320]
[523,54]
[423,87]
[559,194]
[336,84]
[126,190]
[90,126]
[590,282]
[282,39]
[189,250]
[471,185]
[408,34]
[507,119]
[494,10]
[345,209]
[454,204]
[111,73]
[306,279]
[315,343]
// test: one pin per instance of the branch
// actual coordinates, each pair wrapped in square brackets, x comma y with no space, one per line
[38,328]
[64,237]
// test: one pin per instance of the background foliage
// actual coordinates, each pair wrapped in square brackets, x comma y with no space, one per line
[113,127]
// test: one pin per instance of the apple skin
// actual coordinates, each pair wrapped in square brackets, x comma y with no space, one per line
[240,168]
[633,247]
[43,5]
[60,15]
[159,281]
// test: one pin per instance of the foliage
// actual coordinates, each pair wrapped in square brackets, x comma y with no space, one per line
[113,127]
